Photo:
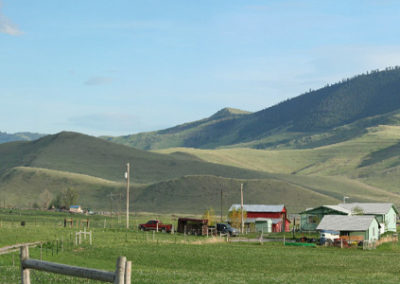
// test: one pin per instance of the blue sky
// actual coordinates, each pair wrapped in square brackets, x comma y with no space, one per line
[120,67]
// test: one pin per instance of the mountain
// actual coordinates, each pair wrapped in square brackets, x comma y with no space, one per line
[331,114]
[33,173]
[182,135]
[20,136]
[83,154]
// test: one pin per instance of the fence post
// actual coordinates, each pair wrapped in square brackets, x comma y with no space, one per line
[25,273]
[120,270]
[128,270]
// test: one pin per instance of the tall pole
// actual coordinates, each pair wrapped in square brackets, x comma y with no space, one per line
[241,207]
[221,203]
[127,195]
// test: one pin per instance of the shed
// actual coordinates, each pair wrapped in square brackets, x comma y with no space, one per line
[193,226]
[351,227]
[310,218]
[277,213]
[263,225]
[385,213]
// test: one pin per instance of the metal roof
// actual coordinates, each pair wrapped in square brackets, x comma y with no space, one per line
[369,208]
[333,207]
[258,207]
[345,223]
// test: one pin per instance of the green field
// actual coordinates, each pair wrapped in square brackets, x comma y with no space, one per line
[179,259]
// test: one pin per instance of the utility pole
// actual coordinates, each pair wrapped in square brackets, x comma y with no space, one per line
[127,194]
[221,203]
[241,207]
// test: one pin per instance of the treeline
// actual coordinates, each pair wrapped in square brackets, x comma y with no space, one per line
[375,92]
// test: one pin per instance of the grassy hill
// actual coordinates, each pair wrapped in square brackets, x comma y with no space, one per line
[366,167]
[332,114]
[184,135]
[24,187]
[73,152]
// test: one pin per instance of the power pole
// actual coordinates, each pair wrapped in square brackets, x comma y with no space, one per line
[221,203]
[127,194]
[241,207]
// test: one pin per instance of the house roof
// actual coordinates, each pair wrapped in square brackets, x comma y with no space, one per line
[345,223]
[75,206]
[369,208]
[332,207]
[258,207]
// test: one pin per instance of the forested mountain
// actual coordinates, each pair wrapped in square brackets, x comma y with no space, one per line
[368,98]
[20,136]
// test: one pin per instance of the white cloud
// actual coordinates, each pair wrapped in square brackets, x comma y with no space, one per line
[7,27]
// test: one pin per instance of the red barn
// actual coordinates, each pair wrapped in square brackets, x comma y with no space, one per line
[277,214]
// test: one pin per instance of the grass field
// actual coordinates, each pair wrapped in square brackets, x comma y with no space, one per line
[179,259]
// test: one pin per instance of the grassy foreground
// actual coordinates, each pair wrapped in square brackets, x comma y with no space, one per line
[176,259]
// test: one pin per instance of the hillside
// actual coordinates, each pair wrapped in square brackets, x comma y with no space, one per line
[335,113]
[20,136]
[77,153]
[366,167]
[182,135]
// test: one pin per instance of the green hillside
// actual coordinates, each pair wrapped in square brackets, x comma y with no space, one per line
[23,187]
[182,135]
[73,152]
[332,114]
[366,167]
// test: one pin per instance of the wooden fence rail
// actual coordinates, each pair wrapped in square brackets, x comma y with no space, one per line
[13,248]
[122,274]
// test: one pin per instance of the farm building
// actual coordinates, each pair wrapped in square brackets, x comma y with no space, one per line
[276,213]
[385,213]
[192,226]
[357,228]
[310,218]
[75,209]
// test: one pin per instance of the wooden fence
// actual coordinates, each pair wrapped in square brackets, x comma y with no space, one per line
[122,274]
[14,248]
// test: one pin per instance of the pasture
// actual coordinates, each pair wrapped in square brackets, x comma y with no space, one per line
[165,258]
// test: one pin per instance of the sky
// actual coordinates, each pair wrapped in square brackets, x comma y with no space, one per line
[120,67]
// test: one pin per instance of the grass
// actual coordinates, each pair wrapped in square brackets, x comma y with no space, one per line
[176,259]
[333,170]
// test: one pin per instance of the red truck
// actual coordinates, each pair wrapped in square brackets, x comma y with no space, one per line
[154,225]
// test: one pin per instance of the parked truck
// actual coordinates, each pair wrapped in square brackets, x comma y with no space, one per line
[155,225]
[226,229]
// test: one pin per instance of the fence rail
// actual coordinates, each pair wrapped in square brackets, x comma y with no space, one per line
[122,274]
[14,248]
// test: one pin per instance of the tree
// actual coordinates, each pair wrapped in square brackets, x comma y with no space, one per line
[65,199]
[70,197]
[209,214]
[235,217]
